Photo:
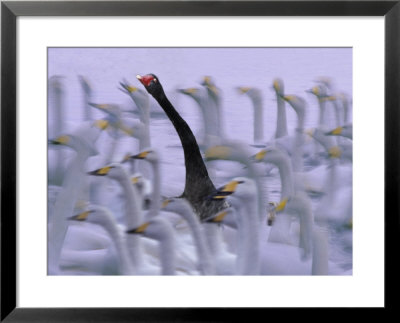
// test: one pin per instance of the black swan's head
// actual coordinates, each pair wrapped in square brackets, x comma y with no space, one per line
[151,84]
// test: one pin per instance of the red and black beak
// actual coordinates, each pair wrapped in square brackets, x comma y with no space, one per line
[146,79]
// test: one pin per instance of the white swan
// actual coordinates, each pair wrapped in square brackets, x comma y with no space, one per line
[87,97]
[336,204]
[56,105]
[102,216]
[160,229]
[214,101]
[152,157]
[210,122]
[239,152]
[258,112]
[243,199]
[298,104]
[281,124]
[345,131]
[320,92]
[142,102]
[82,142]
[313,244]
[133,214]
[183,208]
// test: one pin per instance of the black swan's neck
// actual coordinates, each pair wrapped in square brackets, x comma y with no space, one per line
[197,183]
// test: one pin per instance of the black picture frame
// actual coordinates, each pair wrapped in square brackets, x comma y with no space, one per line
[10,10]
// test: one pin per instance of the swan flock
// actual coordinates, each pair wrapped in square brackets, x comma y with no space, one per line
[268,206]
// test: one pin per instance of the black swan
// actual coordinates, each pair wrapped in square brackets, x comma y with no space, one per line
[198,185]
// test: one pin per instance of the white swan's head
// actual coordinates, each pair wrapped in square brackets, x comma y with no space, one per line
[110,109]
[346,131]
[252,92]
[134,129]
[76,143]
[114,171]
[95,214]
[243,89]
[139,96]
[243,188]
[270,155]
[142,184]
[151,155]
[278,86]
[209,83]
[157,228]
[319,91]
[226,217]
[297,103]
[192,91]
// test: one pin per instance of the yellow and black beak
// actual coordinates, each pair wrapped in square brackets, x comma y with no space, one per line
[281,205]
[126,158]
[288,98]
[260,155]
[141,155]
[80,217]
[335,132]
[99,106]
[62,140]
[334,152]
[189,91]
[165,203]
[101,124]
[219,218]
[101,171]
[244,89]
[129,88]
[225,191]
[140,229]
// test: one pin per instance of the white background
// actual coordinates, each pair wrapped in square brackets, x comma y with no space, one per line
[364,288]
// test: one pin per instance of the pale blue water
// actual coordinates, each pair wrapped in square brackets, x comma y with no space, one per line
[299,68]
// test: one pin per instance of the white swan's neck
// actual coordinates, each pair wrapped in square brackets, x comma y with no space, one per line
[126,267]
[248,249]
[320,260]
[206,265]
[306,227]
[297,160]
[133,218]
[250,259]
[255,175]
[167,254]
[345,111]
[281,124]
[322,113]
[286,175]
[64,206]
[213,239]
[258,121]
[156,195]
